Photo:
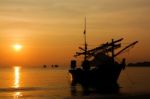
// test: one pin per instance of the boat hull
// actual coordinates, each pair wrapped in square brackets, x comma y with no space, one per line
[104,79]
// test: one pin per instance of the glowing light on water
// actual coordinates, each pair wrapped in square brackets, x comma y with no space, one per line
[70,77]
[17,77]
[17,95]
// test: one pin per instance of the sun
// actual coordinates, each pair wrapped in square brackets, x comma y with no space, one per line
[17,47]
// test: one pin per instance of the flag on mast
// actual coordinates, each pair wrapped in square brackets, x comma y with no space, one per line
[84,31]
[85,26]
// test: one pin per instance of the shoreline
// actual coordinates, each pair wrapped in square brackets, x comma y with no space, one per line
[113,96]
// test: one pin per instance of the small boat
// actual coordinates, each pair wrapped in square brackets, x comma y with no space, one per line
[44,66]
[100,69]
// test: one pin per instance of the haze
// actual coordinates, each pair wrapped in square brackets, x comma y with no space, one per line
[51,31]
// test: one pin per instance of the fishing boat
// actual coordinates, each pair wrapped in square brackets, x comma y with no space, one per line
[99,68]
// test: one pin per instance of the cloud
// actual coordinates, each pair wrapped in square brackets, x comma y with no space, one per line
[69,8]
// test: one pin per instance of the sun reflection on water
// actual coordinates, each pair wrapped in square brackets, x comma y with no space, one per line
[17,95]
[17,81]
[17,77]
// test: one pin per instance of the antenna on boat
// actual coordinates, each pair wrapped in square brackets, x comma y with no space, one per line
[85,42]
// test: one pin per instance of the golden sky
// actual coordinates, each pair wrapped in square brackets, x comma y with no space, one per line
[50,31]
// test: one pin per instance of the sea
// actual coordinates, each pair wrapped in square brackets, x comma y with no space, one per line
[20,82]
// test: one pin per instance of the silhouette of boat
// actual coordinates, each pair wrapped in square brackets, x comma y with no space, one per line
[99,69]
[44,66]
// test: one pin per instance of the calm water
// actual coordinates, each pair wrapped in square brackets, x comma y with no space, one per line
[46,83]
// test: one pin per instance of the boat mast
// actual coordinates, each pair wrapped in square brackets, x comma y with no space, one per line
[112,51]
[85,41]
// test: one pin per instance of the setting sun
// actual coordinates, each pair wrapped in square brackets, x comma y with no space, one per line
[17,47]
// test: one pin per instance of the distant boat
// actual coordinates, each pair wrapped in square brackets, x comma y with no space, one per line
[99,69]
[54,66]
[140,64]
[44,66]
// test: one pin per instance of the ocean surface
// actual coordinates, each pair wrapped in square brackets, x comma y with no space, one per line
[54,83]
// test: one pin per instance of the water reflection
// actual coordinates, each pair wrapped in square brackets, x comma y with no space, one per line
[16,77]
[17,95]
[17,81]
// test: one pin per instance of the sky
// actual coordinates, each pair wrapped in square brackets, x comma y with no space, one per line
[50,31]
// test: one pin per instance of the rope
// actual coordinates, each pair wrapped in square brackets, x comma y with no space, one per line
[131,81]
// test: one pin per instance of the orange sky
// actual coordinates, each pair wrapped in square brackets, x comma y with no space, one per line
[51,30]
